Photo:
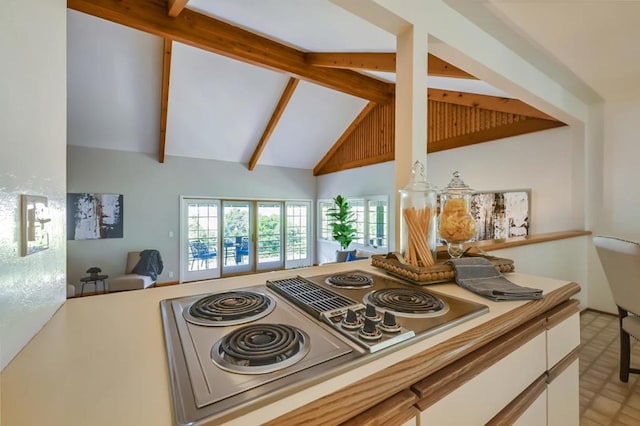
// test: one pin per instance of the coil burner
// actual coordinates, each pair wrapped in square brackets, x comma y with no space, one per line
[407,302]
[260,348]
[349,280]
[229,308]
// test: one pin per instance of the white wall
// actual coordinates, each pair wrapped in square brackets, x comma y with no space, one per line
[33,138]
[152,200]
[539,161]
[618,215]
[377,179]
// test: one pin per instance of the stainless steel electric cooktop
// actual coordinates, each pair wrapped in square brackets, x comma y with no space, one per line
[233,350]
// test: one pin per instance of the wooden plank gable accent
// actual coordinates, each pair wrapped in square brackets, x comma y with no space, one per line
[449,126]
[371,141]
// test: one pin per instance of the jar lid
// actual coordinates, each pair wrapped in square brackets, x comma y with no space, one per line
[418,181]
[457,185]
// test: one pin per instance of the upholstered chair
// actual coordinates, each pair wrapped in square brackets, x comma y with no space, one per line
[621,262]
[131,280]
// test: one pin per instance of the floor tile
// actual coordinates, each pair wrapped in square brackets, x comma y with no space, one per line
[604,399]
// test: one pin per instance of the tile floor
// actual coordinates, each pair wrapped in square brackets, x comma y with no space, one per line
[604,399]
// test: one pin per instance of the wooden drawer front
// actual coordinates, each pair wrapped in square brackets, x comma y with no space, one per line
[481,398]
[562,338]
[563,397]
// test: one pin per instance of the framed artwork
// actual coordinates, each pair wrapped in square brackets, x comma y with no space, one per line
[94,216]
[501,214]
[34,223]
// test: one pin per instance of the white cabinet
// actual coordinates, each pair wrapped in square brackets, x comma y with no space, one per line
[536,413]
[527,377]
[481,398]
[563,397]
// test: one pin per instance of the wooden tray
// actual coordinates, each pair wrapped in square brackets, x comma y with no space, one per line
[437,273]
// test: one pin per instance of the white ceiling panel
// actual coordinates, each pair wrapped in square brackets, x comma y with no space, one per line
[313,121]
[310,25]
[114,79]
[218,107]
[597,40]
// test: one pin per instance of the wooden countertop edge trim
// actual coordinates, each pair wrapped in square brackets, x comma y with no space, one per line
[562,312]
[518,406]
[402,418]
[382,413]
[489,245]
[436,386]
[562,365]
[364,394]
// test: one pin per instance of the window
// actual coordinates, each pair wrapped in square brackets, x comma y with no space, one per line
[372,220]
[378,218]
[358,208]
[325,229]
[297,217]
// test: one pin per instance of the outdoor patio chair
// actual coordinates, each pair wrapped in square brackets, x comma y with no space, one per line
[201,251]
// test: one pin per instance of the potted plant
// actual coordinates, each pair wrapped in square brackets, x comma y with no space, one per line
[342,220]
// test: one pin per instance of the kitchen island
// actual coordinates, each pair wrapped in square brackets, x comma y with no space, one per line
[102,361]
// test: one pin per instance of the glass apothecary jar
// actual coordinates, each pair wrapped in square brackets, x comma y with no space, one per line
[456,225]
[418,223]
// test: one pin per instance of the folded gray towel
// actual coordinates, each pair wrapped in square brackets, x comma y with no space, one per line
[479,276]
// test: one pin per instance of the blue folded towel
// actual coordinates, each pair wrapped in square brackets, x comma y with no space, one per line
[480,276]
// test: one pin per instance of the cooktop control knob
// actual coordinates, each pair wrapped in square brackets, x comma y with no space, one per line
[370,330]
[372,314]
[389,323]
[351,320]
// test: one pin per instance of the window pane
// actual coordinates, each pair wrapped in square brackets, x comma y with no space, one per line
[357,206]
[325,229]
[297,215]
[377,223]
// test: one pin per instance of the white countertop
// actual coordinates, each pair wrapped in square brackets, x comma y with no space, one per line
[101,359]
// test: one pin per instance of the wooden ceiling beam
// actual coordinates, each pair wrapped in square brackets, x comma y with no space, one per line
[216,36]
[500,132]
[495,103]
[345,135]
[273,121]
[380,61]
[384,62]
[174,7]
[164,103]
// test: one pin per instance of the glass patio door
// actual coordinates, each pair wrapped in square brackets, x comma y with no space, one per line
[199,239]
[269,236]
[298,238]
[238,247]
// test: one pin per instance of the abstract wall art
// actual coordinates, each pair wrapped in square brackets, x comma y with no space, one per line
[34,220]
[501,214]
[94,216]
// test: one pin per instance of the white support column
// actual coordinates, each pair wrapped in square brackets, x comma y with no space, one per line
[411,109]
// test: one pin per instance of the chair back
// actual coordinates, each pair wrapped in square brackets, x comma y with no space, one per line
[621,263]
[198,247]
[133,257]
[243,248]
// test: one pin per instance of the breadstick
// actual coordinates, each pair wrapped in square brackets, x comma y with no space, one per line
[418,229]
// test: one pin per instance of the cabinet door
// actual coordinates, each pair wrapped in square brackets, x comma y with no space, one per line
[562,338]
[480,399]
[536,414]
[563,397]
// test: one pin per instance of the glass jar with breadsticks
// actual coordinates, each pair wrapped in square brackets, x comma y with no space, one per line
[417,225]
[455,224]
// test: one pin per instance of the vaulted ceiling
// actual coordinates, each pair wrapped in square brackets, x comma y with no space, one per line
[292,83]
